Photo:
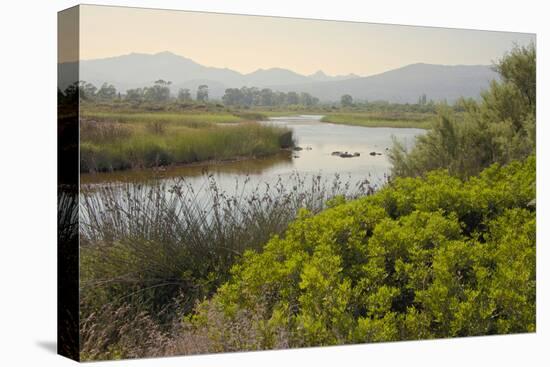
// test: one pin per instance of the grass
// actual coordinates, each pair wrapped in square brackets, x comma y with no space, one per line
[149,253]
[382,119]
[196,120]
[117,141]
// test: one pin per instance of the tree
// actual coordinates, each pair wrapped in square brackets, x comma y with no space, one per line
[184,95]
[107,92]
[499,129]
[422,100]
[232,97]
[306,99]
[266,97]
[519,67]
[202,93]
[346,100]
[292,98]
[135,95]
[252,96]
[87,90]
[159,92]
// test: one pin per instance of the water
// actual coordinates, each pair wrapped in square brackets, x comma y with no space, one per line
[318,140]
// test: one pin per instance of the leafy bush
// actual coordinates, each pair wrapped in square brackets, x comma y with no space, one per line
[499,129]
[423,258]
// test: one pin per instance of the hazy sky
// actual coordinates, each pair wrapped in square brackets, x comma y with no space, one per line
[248,43]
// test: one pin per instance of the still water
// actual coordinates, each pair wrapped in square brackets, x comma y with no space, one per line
[317,140]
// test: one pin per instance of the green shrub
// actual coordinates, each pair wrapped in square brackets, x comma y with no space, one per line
[499,129]
[423,258]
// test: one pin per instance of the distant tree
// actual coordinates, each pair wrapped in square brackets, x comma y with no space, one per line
[346,100]
[87,90]
[252,96]
[184,95]
[232,97]
[292,98]
[306,99]
[266,97]
[134,95]
[107,92]
[279,98]
[202,93]
[159,92]
[422,99]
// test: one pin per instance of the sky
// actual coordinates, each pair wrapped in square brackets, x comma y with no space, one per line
[248,43]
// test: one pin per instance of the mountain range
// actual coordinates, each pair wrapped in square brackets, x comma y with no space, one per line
[403,85]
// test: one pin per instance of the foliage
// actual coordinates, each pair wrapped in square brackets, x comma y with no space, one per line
[252,96]
[422,258]
[106,92]
[202,93]
[499,129]
[116,141]
[149,252]
[184,95]
[346,100]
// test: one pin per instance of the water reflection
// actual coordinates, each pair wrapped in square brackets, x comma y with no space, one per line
[318,141]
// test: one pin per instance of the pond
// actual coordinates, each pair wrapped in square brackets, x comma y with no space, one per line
[317,142]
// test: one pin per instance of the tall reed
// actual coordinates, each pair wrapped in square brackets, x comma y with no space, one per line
[149,245]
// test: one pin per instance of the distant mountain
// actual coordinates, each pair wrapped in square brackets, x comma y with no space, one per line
[138,70]
[320,76]
[274,76]
[405,84]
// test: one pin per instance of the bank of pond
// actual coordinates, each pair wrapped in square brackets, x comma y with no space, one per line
[112,140]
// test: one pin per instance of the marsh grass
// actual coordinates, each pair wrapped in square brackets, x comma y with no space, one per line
[150,252]
[108,145]
[394,119]
[103,132]
[193,120]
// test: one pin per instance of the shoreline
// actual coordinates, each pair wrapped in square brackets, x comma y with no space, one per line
[171,170]
[373,123]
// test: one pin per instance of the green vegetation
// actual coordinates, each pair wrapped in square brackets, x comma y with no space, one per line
[499,129]
[445,249]
[195,120]
[122,140]
[146,257]
[382,119]
[423,258]
[251,96]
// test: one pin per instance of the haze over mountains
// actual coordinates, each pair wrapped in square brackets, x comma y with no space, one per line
[404,84]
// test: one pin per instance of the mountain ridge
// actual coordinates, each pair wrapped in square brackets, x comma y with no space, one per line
[404,84]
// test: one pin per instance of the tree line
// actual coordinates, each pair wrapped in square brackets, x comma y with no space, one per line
[252,96]
[160,92]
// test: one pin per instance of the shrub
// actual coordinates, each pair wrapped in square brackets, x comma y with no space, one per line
[153,251]
[423,258]
[499,129]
